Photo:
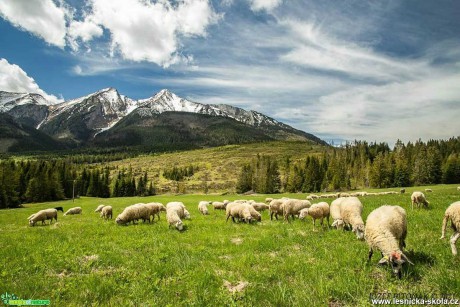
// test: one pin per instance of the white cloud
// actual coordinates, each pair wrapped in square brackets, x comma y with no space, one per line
[84,30]
[144,31]
[258,5]
[14,79]
[42,18]
[316,49]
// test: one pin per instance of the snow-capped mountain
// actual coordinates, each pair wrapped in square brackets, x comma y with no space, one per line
[84,118]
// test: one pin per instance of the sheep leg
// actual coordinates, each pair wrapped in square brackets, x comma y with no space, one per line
[314,224]
[271,216]
[453,240]
[371,252]
[228,215]
[321,222]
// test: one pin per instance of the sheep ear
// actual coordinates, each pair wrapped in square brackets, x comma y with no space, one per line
[384,261]
[404,257]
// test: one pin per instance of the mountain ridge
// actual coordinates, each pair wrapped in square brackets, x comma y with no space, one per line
[82,120]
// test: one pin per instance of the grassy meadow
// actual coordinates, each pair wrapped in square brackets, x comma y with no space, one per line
[82,260]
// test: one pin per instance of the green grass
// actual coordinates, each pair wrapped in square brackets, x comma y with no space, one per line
[221,165]
[82,260]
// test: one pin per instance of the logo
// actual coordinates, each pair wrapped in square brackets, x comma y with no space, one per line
[12,300]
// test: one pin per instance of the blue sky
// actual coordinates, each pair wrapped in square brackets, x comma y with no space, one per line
[368,70]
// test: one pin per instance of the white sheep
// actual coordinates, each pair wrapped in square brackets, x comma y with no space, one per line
[203,207]
[458,188]
[239,211]
[217,205]
[452,214]
[174,211]
[418,198]
[73,211]
[106,212]
[316,211]
[276,208]
[346,211]
[99,208]
[386,230]
[292,207]
[155,209]
[260,206]
[42,216]
[268,200]
[428,190]
[133,213]
[255,215]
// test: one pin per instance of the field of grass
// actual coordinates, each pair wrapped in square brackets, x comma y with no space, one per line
[82,260]
[220,165]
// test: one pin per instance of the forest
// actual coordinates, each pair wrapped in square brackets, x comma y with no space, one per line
[356,165]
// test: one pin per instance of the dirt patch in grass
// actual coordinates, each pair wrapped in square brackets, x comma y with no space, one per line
[237,241]
[235,288]
[89,258]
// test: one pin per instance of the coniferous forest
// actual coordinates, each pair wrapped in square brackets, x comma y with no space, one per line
[357,165]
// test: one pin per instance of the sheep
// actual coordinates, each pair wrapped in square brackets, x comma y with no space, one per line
[183,213]
[418,198]
[203,207]
[342,194]
[452,214]
[133,213]
[42,216]
[402,191]
[260,206]
[255,215]
[428,190]
[347,212]
[186,214]
[386,230]
[239,211]
[174,212]
[293,206]
[106,212]
[99,208]
[316,211]
[458,188]
[155,209]
[217,205]
[268,200]
[72,211]
[59,209]
[275,208]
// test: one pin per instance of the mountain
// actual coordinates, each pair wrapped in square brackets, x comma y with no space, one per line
[16,137]
[30,109]
[107,118]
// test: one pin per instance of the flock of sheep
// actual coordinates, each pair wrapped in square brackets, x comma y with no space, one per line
[385,229]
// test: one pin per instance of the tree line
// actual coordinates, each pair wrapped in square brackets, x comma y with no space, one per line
[356,165]
[50,180]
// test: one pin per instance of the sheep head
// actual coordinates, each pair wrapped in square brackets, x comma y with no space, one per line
[338,224]
[396,259]
[179,225]
[359,231]
[304,213]
[119,220]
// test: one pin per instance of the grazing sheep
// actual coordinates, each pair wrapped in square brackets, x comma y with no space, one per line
[183,213]
[174,211]
[292,207]
[316,211]
[73,211]
[255,215]
[342,194]
[268,200]
[133,213]
[106,212]
[217,205]
[276,208]
[402,191]
[239,211]
[203,207]
[155,209]
[428,190]
[99,208]
[452,214]
[458,188]
[260,206]
[418,198]
[386,230]
[173,218]
[59,209]
[347,212]
[42,216]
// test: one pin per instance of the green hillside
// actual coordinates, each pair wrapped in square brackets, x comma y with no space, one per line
[218,166]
